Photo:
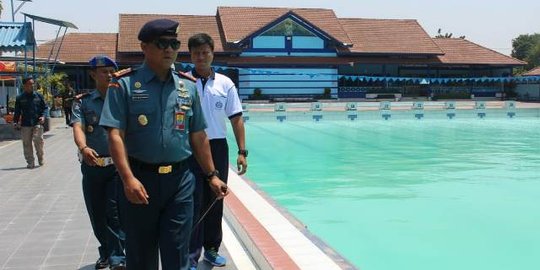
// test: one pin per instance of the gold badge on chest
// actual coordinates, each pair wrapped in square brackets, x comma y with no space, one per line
[142,119]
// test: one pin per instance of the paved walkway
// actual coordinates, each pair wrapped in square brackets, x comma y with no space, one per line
[43,220]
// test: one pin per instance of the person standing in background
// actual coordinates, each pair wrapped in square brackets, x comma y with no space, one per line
[67,103]
[30,109]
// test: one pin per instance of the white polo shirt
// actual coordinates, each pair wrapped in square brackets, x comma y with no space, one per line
[219,101]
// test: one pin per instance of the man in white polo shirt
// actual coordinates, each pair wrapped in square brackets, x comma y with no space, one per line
[219,100]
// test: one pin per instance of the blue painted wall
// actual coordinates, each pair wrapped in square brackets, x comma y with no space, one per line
[280,81]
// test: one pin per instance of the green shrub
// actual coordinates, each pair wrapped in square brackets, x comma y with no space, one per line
[257,93]
[327,94]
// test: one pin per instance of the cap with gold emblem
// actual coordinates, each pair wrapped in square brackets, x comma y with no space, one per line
[156,28]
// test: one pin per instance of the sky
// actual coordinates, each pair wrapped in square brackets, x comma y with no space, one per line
[492,24]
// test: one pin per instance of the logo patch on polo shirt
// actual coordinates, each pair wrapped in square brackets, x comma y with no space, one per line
[219,105]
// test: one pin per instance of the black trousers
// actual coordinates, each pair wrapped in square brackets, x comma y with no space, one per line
[208,233]
[102,190]
[164,224]
[67,115]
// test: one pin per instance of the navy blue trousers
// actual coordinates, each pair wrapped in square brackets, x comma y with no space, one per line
[101,190]
[164,224]
[208,232]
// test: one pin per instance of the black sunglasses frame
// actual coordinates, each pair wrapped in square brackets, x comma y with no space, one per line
[164,43]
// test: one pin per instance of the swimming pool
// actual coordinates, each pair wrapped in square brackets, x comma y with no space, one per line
[407,193]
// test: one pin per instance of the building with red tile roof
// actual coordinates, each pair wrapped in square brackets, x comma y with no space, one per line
[532,72]
[304,51]
[529,88]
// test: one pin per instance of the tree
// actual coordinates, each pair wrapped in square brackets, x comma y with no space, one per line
[527,48]
[446,35]
[51,85]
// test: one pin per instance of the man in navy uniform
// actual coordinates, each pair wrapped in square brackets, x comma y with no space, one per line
[100,181]
[30,109]
[219,99]
[155,123]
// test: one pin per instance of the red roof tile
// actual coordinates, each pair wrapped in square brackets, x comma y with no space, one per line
[240,22]
[130,24]
[80,47]
[378,36]
[462,51]
[370,37]
[532,72]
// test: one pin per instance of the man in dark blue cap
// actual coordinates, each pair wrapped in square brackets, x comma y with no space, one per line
[101,184]
[155,123]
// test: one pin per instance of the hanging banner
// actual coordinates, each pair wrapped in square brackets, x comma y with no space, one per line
[8,66]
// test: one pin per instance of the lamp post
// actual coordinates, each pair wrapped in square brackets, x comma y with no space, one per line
[14,11]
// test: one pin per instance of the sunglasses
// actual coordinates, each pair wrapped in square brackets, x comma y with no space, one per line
[164,43]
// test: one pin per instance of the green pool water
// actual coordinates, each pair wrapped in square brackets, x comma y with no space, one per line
[408,194]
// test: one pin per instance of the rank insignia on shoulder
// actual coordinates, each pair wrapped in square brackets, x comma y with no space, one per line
[186,76]
[122,72]
[114,84]
[80,96]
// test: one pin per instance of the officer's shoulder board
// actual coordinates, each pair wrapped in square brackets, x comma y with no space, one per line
[81,96]
[186,75]
[122,72]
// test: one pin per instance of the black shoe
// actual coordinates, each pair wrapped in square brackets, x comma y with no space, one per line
[120,266]
[102,263]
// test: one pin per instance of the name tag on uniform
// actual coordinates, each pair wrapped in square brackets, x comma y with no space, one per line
[139,96]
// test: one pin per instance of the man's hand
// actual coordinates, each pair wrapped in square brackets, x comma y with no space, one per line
[135,191]
[16,126]
[241,164]
[90,156]
[41,120]
[218,187]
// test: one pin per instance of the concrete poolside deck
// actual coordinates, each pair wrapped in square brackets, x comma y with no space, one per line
[44,224]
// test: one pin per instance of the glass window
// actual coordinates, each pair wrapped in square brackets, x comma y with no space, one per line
[287,27]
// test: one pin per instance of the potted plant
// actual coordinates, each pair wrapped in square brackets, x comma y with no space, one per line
[257,93]
[327,94]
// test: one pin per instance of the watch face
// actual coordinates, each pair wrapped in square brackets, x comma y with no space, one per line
[243,152]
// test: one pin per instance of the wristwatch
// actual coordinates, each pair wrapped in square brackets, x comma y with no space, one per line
[243,152]
[212,174]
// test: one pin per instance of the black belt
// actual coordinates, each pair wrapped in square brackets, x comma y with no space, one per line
[160,168]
